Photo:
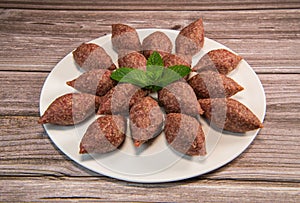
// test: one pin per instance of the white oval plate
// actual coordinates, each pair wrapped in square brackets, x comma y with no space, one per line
[156,162]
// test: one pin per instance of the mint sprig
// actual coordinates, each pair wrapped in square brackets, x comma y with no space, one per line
[155,60]
[156,75]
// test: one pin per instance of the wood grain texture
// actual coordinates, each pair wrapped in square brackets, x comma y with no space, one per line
[20,89]
[34,40]
[150,5]
[36,35]
[105,190]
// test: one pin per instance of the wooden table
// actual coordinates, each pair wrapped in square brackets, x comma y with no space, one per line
[35,35]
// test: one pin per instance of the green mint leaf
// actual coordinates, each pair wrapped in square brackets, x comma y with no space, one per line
[120,73]
[155,78]
[154,72]
[180,69]
[131,75]
[154,69]
[169,76]
[136,77]
[173,74]
[155,60]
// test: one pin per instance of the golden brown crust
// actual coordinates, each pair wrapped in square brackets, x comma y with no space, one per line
[157,41]
[190,39]
[125,39]
[70,109]
[97,82]
[146,120]
[179,97]
[211,84]
[230,115]
[173,59]
[133,60]
[91,56]
[185,134]
[104,135]
[120,99]
[221,60]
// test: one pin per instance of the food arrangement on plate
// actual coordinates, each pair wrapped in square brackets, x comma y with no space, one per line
[155,89]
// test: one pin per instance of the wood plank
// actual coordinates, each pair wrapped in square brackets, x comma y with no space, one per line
[150,5]
[267,24]
[25,150]
[34,40]
[264,56]
[20,93]
[275,23]
[101,189]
